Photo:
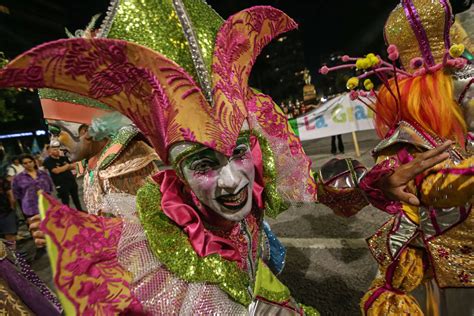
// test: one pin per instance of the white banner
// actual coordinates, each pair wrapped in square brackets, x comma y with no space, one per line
[339,115]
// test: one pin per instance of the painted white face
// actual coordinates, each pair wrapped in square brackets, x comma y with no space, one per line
[65,133]
[222,184]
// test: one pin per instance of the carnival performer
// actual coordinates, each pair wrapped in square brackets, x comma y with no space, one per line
[417,109]
[192,240]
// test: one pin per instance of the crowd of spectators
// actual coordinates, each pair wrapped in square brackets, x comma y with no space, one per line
[50,172]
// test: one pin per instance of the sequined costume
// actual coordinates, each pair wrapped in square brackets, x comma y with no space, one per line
[427,102]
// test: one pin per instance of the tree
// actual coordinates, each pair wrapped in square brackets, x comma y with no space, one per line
[8,96]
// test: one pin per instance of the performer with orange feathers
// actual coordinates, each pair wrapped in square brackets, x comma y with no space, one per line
[418,108]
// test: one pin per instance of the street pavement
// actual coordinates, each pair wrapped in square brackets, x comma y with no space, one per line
[328,265]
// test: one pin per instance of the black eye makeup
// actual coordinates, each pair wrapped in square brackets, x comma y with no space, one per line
[201,161]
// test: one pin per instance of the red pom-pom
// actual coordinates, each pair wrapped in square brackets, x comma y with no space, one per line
[393,56]
[345,58]
[324,70]
[392,49]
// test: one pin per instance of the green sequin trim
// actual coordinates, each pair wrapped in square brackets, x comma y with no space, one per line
[274,296]
[155,24]
[64,96]
[274,202]
[171,246]
[123,137]
[309,311]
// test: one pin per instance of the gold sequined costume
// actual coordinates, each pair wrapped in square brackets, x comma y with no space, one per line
[417,109]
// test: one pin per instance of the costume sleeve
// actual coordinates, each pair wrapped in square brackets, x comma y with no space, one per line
[88,277]
[449,184]
[338,186]
[389,294]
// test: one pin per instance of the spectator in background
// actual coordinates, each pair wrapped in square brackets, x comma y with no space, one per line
[59,168]
[27,183]
[8,220]
[45,152]
[14,168]
[340,144]
[39,162]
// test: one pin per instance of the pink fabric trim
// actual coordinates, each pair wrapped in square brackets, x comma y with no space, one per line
[432,214]
[70,112]
[414,19]
[371,188]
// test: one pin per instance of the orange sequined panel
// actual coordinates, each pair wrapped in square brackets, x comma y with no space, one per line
[378,243]
[452,255]
[132,169]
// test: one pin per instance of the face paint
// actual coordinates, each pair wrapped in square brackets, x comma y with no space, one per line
[222,184]
[77,147]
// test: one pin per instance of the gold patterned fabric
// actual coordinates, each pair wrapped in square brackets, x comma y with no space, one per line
[448,189]
[452,254]
[10,303]
[388,295]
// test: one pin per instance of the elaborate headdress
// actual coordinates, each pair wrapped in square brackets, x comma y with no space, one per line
[189,84]
[417,33]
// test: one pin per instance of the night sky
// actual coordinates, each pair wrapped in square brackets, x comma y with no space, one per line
[326,27]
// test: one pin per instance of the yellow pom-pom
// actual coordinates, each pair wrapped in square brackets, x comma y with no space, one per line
[368,85]
[352,83]
[363,63]
[374,60]
[456,50]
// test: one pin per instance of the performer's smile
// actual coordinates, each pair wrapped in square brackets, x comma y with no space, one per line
[234,201]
